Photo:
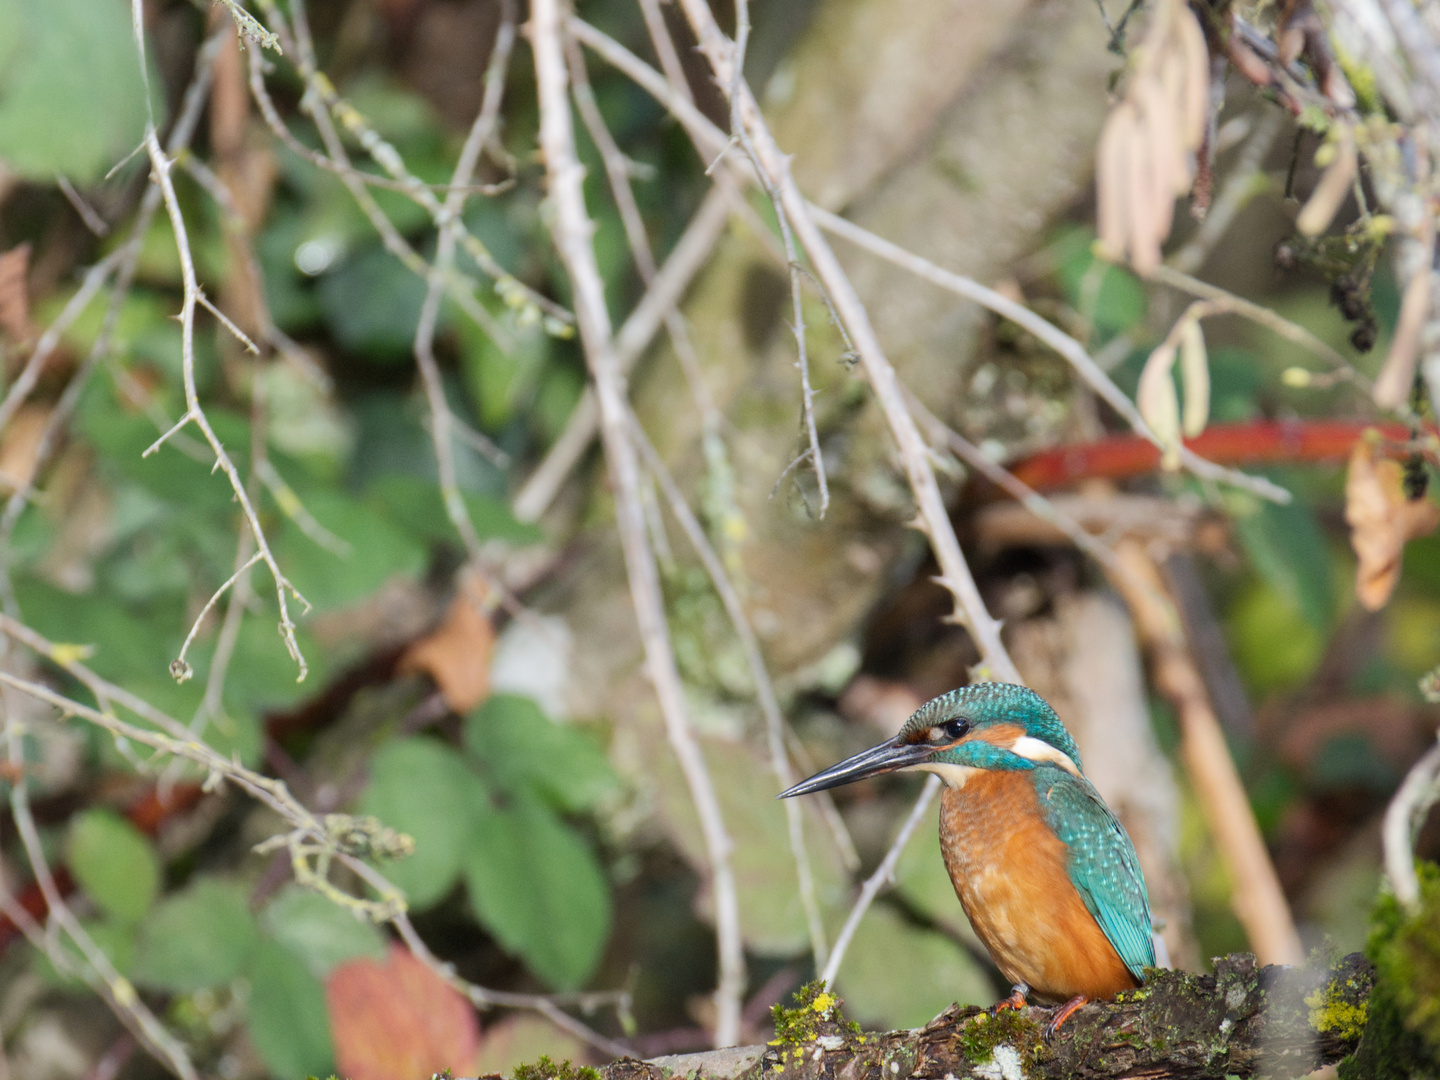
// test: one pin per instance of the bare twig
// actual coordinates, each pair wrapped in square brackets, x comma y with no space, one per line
[759,674]
[933,518]
[634,336]
[572,230]
[1051,335]
[1406,813]
[1290,331]
[739,132]
[442,421]
[1259,901]
[883,875]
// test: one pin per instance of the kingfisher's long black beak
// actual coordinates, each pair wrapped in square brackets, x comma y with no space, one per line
[890,755]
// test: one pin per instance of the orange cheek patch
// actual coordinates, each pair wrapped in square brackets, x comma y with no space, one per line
[1002,735]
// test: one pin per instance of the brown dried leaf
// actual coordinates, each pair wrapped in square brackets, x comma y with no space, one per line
[15,293]
[1381,521]
[456,654]
[398,1020]
[20,444]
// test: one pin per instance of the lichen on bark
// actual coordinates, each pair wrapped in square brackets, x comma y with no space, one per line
[1244,1020]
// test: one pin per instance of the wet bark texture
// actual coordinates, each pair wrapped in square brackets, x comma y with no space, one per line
[1242,1021]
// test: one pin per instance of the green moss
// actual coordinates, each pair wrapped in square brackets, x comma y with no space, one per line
[545,1069]
[978,1037]
[1402,1035]
[814,1006]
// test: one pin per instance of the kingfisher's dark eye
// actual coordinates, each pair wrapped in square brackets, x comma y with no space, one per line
[950,731]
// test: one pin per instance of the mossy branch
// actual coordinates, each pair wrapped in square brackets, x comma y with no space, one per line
[1244,1020]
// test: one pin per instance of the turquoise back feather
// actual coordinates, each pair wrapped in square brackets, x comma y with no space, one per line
[1102,863]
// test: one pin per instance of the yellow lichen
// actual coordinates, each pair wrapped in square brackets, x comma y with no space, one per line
[1330,1012]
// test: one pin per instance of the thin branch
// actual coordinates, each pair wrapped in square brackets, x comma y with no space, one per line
[573,230]
[1051,335]
[441,419]
[117,991]
[1403,817]
[759,674]
[740,133]
[933,517]
[1271,320]
[883,875]
[633,338]
[309,834]
[161,165]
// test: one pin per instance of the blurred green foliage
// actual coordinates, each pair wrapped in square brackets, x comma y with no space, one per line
[72,100]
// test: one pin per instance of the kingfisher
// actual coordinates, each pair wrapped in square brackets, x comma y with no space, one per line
[1046,873]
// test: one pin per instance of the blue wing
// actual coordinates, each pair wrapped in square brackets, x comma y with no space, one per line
[1102,863]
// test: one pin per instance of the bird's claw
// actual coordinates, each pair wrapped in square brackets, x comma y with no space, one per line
[1016,1000]
[1069,1009]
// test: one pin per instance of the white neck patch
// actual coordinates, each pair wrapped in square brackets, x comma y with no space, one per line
[955,776]
[1033,749]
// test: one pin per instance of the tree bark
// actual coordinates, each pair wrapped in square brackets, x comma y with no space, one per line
[1244,1021]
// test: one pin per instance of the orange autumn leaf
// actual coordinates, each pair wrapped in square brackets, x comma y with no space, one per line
[398,1020]
[456,654]
[1381,521]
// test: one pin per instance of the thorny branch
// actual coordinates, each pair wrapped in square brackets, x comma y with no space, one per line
[764,687]
[311,841]
[573,230]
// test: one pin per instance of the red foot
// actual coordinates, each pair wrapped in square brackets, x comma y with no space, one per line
[1016,1000]
[1069,1009]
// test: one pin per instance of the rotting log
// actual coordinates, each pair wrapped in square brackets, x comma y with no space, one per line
[1244,1020]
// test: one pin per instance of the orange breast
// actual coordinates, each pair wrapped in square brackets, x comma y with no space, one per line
[1008,869]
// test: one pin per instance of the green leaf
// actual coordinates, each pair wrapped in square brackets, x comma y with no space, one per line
[525,750]
[198,938]
[72,100]
[372,306]
[771,912]
[288,1022]
[321,933]
[1274,645]
[1114,297]
[898,975]
[115,941]
[415,504]
[122,439]
[1288,551]
[536,885]
[377,551]
[114,863]
[422,787]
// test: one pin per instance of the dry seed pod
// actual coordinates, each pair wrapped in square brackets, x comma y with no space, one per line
[1159,404]
[1112,180]
[1195,374]
[1146,153]
[1334,186]
[1398,373]
[1197,77]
